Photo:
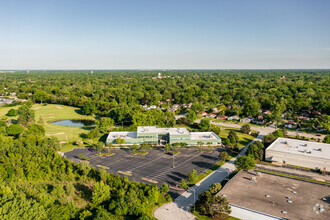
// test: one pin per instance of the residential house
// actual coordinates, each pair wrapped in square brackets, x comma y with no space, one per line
[211,115]
[259,120]
[202,114]
[235,117]
[245,120]
[223,117]
[290,124]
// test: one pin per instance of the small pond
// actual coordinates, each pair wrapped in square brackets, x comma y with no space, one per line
[74,123]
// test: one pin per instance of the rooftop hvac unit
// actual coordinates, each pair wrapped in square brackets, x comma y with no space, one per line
[258,174]
[267,196]
[253,178]
[294,192]
[284,212]
[289,201]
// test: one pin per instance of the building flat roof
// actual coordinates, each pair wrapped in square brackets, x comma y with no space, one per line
[203,135]
[122,134]
[299,147]
[305,198]
[154,129]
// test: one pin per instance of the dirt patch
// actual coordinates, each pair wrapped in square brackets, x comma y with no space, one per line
[55,134]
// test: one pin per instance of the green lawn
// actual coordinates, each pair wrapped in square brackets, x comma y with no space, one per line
[244,139]
[52,112]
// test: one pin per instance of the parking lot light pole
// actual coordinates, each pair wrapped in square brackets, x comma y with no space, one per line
[173,166]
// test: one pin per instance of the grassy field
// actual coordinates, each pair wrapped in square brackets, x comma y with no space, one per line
[244,139]
[49,113]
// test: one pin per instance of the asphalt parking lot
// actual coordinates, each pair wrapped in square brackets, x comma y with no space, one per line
[154,168]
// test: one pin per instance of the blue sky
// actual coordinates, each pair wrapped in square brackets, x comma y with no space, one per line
[164,34]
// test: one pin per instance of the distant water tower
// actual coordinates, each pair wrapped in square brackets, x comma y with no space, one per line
[92,72]
[159,75]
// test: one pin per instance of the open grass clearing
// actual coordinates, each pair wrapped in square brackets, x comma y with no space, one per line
[244,139]
[54,112]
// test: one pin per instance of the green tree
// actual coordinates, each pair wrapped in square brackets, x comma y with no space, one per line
[223,156]
[213,206]
[191,116]
[255,150]
[25,115]
[86,214]
[88,109]
[99,146]
[104,124]
[215,188]
[246,129]
[134,148]
[245,162]
[40,96]
[233,137]
[14,130]
[37,130]
[192,176]
[120,141]
[12,112]
[204,124]
[101,193]
[94,133]
[327,139]
[143,147]
[164,188]
[167,147]
[183,184]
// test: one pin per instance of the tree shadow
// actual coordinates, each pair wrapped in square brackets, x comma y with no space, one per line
[103,138]
[179,174]
[174,194]
[83,135]
[78,111]
[175,178]
[209,157]
[88,128]
[87,192]
[14,121]
[203,164]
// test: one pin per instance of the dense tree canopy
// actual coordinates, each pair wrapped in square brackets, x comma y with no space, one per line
[119,94]
[37,183]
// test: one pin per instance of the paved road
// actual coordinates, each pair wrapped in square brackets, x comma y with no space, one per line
[179,209]
[267,130]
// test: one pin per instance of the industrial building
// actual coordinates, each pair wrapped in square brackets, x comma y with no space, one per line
[161,136]
[299,153]
[262,196]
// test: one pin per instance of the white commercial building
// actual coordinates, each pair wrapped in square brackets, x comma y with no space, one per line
[299,153]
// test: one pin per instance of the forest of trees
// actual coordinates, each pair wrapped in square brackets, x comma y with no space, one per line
[37,183]
[119,95]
